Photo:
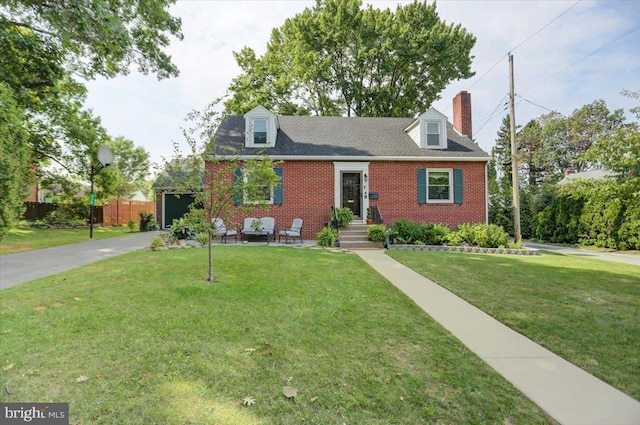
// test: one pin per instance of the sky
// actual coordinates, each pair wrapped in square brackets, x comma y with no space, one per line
[566,54]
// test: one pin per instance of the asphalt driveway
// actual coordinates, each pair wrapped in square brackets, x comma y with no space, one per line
[30,265]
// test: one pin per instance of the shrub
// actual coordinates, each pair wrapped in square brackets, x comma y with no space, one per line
[403,231]
[146,219]
[377,233]
[345,216]
[157,242]
[203,238]
[131,225]
[479,234]
[327,237]
[433,233]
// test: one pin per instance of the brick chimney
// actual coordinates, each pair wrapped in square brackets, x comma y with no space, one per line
[462,113]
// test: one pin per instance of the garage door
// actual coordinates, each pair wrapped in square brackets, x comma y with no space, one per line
[175,207]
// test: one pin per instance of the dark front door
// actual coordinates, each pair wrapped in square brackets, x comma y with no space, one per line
[351,193]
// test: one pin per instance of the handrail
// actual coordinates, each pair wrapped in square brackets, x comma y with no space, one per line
[334,218]
[376,215]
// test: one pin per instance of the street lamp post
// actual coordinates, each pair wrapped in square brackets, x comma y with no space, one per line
[105,159]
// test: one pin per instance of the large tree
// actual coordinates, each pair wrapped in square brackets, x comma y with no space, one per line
[45,46]
[339,58]
[129,171]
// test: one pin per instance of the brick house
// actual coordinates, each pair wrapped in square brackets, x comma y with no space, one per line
[423,169]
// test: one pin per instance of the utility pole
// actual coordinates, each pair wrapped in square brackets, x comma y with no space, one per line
[514,157]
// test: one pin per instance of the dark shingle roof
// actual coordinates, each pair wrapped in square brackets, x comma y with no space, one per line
[321,136]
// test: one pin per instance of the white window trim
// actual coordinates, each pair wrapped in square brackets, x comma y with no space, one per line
[245,200]
[442,132]
[252,126]
[451,188]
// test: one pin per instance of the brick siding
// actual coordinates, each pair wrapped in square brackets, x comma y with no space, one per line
[308,189]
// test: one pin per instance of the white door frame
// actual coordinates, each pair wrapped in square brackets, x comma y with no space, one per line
[352,167]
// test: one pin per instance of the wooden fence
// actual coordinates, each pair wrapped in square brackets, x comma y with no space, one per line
[38,210]
[119,212]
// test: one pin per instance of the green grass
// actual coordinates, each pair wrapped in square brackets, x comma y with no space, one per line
[161,345]
[587,311]
[24,238]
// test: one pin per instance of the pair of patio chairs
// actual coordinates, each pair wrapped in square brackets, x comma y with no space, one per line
[259,227]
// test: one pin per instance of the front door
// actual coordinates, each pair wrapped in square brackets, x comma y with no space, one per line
[351,193]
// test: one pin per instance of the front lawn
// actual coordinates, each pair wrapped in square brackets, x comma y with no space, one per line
[151,341]
[586,311]
[24,238]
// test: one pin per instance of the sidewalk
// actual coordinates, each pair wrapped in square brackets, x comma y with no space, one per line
[608,256]
[565,392]
[25,266]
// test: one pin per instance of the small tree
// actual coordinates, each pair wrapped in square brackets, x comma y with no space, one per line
[212,178]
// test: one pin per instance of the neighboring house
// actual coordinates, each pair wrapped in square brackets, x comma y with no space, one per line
[170,203]
[571,176]
[423,169]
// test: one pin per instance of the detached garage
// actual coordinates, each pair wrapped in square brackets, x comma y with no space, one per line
[170,203]
[174,206]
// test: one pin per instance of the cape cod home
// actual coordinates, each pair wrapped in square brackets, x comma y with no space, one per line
[423,169]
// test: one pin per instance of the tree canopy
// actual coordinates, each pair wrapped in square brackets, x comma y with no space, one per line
[47,48]
[339,58]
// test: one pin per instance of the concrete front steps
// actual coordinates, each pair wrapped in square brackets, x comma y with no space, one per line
[354,236]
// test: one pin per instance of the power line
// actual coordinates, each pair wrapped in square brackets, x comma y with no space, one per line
[522,42]
[583,58]
[491,116]
[534,104]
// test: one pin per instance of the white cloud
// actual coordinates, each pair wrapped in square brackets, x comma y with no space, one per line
[150,112]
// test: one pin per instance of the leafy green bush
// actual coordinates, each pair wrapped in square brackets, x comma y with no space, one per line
[377,233]
[157,242]
[560,221]
[479,234]
[433,233]
[131,225]
[345,216]
[327,237]
[146,219]
[203,238]
[404,232]
[65,215]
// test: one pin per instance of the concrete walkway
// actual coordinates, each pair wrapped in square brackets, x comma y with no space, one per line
[608,256]
[25,266]
[565,392]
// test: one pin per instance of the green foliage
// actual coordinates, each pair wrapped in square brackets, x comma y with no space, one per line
[16,174]
[146,221]
[128,172]
[189,225]
[479,234]
[203,238]
[327,237]
[377,233]
[345,216]
[157,242]
[560,221]
[341,58]
[408,232]
[67,215]
[131,224]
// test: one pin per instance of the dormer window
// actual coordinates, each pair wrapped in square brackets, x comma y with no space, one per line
[261,128]
[260,132]
[429,130]
[433,134]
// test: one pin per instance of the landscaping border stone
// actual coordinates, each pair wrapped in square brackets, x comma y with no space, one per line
[473,249]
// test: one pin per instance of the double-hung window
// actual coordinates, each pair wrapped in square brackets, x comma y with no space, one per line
[439,185]
[433,134]
[260,132]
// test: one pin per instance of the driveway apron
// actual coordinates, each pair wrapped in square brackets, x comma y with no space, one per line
[26,266]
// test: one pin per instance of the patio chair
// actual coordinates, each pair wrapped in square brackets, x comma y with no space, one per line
[222,230]
[269,228]
[248,228]
[294,232]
